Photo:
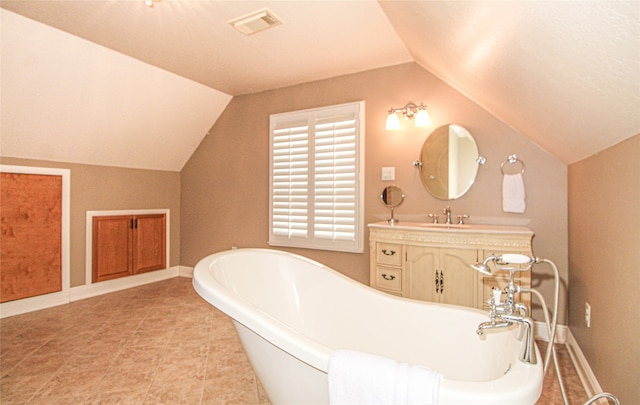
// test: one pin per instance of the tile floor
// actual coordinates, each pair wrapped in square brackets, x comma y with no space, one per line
[155,344]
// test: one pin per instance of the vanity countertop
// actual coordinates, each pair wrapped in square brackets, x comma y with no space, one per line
[456,228]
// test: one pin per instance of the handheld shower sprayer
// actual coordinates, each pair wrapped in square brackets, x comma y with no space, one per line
[505,313]
[484,266]
[506,262]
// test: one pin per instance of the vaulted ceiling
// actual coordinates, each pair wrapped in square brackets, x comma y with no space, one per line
[564,74]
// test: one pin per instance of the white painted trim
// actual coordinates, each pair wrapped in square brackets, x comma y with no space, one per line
[90,290]
[31,304]
[56,298]
[89,235]
[588,379]
[185,271]
[564,336]
[540,332]
[122,283]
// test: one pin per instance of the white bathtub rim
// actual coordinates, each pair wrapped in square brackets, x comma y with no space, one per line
[313,353]
[317,355]
[279,334]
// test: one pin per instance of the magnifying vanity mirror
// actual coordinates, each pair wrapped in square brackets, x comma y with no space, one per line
[449,162]
[391,197]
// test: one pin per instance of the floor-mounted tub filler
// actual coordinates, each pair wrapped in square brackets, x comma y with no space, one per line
[292,314]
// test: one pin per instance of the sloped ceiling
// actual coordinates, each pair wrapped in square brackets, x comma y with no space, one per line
[564,74]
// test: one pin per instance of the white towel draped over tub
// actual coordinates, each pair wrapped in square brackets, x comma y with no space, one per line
[513,193]
[357,378]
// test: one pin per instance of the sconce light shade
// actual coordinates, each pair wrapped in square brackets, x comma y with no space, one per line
[393,122]
[409,112]
[422,119]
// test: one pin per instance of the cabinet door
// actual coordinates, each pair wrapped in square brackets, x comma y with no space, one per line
[150,243]
[31,237]
[459,282]
[422,280]
[112,247]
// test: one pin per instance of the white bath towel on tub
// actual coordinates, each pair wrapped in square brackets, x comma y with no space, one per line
[357,378]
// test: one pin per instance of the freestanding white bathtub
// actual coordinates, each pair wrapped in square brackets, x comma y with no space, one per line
[291,313]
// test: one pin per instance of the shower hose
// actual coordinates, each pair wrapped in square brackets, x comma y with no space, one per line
[551,330]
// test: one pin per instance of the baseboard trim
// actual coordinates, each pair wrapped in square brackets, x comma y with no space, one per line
[588,379]
[541,332]
[22,306]
[123,283]
[564,336]
[184,271]
[31,304]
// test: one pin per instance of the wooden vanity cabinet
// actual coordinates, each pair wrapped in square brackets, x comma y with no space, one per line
[441,275]
[125,245]
[434,263]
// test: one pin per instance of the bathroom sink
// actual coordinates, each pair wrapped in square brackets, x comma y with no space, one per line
[444,226]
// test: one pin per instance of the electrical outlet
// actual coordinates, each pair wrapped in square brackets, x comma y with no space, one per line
[587,314]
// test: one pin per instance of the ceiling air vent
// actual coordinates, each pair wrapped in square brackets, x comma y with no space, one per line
[256,22]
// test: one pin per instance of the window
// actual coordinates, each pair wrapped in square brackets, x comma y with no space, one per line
[316,178]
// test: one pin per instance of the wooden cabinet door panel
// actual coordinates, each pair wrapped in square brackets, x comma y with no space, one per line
[422,263]
[459,279]
[112,247]
[150,243]
[31,243]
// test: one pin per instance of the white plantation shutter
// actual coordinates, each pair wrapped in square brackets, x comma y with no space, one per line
[316,178]
[290,181]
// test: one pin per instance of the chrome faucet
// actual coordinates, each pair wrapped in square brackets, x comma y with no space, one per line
[505,313]
[447,212]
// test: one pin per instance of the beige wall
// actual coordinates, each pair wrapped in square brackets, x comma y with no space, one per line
[113,188]
[604,264]
[225,194]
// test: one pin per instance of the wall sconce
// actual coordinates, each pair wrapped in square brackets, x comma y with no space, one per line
[409,112]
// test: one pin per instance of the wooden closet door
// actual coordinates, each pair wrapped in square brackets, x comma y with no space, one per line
[31,242]
[150,243]
[112,247]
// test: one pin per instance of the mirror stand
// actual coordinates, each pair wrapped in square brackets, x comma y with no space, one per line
[392,220]
[391,197]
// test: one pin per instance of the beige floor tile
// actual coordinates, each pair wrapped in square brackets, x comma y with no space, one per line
[175,393]
[154,344]
[124,397]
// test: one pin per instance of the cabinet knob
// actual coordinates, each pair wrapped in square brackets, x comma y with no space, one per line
[388,276]
[388,252]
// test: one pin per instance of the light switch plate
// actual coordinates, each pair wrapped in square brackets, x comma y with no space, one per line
[388,173]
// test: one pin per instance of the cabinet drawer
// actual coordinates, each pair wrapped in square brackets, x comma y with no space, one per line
[389,253]
[388,278]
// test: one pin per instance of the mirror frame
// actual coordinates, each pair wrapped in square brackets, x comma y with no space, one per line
[438,158]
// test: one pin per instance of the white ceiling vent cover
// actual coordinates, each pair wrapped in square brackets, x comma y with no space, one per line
[256,22]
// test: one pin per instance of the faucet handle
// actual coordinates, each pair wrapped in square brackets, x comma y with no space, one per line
[461,218]
[435,218]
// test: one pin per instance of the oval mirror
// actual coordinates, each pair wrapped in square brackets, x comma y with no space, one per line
[449,162]
[391,197]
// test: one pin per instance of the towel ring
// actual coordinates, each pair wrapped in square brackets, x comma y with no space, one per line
[512,159]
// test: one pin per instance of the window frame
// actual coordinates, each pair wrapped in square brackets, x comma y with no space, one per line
[312,117]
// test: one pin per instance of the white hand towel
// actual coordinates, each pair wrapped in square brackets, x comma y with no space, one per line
[513,193]
[357,378]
